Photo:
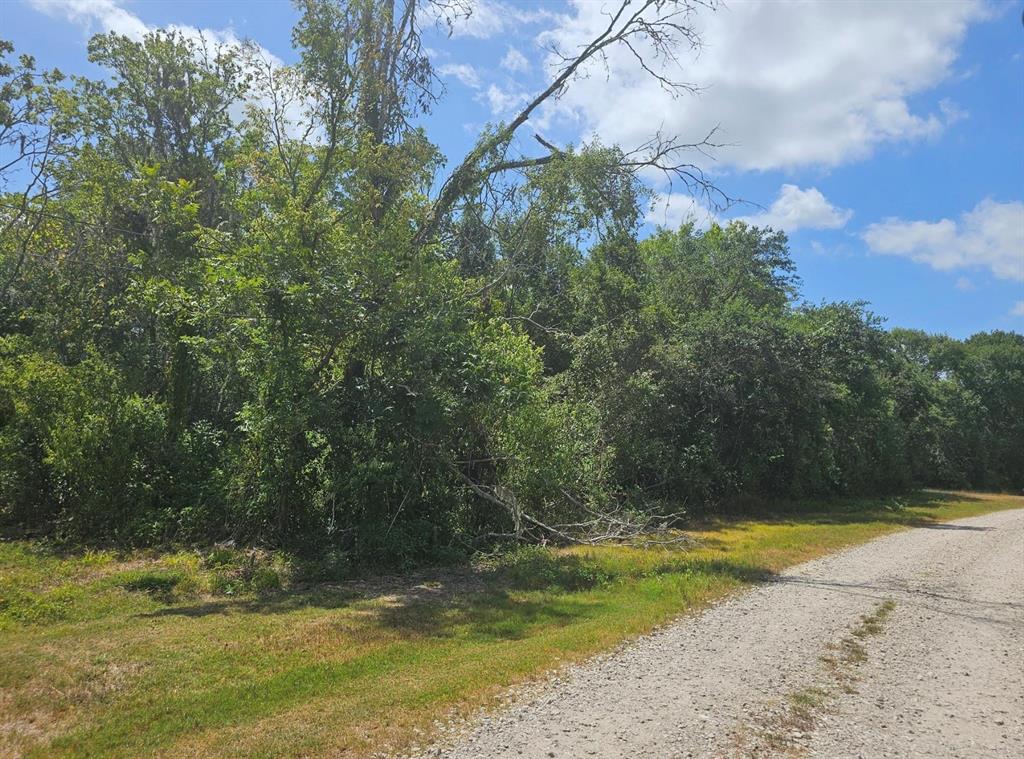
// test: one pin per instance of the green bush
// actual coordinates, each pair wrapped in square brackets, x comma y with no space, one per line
[81,458]
[218,331]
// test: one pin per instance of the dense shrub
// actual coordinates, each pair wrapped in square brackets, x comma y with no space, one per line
[218,329]
[80,458]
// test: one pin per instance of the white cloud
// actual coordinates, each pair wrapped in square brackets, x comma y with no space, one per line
[463,72]
[484,21]
[515,61]
[92,14]
[963,283]
[108,16]
[797,209]
[672,210]
[951,112]
[1018,308]
[791,84]
[489,18]
[793,209]
[991,235]
[503,101]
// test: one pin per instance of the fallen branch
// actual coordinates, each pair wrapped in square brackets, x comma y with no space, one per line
[604,528]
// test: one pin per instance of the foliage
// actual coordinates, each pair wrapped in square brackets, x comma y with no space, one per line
[232,307]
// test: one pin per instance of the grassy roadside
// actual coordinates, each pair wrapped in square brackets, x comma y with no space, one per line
[163,655]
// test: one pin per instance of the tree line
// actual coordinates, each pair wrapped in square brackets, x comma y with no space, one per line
[245,300]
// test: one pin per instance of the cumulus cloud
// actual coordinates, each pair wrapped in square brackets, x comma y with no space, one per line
[109,16]
[463,72]
[502,101]
[1018,308]
[489,18]
[991,235]
[797,209]
[963,283]
[105,15]
[515,61]
[793,209]
[483,21]
[790,84]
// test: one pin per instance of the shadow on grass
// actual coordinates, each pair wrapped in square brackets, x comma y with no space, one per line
[158,585]
[506,612]
[501,603]
[432,603]
[491,615]
[282,602]
[844,511]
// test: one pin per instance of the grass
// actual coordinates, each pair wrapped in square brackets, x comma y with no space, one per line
[182,654]
[871,624]
[780,732]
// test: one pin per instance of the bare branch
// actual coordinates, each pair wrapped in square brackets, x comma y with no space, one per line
[661,24]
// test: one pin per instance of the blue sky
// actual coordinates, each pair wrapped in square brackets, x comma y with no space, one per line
[887,139]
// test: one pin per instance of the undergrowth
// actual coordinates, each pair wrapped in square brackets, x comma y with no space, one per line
[240,652]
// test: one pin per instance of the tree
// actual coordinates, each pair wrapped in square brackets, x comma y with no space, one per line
[239,300]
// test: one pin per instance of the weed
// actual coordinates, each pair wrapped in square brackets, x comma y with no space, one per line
[158,584]
[315,669]
[775,732]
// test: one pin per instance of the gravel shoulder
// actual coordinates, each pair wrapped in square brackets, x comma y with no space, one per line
[756,675]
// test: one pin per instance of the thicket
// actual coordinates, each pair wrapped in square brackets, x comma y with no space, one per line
[240,300]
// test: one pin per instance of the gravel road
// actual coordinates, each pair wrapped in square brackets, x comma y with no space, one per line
[791,669]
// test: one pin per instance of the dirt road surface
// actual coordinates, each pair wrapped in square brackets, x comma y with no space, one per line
[792,668]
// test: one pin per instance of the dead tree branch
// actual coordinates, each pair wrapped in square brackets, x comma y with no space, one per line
[602,528]
[661,25]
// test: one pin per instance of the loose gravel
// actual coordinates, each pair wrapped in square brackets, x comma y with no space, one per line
[943,677]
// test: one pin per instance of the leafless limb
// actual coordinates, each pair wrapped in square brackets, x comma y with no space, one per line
[603,527]
[662,26]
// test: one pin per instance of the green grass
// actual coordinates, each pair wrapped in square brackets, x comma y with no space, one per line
[181,654]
